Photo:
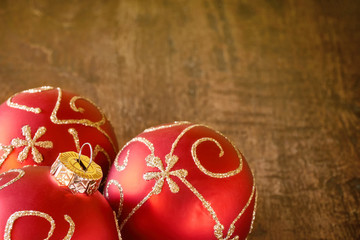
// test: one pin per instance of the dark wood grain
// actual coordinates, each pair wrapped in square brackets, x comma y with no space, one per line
[280,78]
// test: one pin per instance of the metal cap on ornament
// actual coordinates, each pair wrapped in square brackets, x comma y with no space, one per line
[78,172]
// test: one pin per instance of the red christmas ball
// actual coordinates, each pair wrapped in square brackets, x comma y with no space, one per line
[37,124]
[34,206]
[182,181]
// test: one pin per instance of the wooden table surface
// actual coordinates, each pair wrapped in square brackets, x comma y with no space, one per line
[279,78]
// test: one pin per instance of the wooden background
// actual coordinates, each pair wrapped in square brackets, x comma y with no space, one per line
[280,78]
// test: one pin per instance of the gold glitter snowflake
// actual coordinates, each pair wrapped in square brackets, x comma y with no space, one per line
[31,143]
[164,173]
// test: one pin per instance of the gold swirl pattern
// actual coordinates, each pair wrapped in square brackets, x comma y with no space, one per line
[117,226]
[76,109]
[121,201]
[207,172]
[152,129]
[10,223]
[254,212]
[18,214]
[137,139]
[75,136]
[12,104]
[152,192]
[71,231]
[164,173]
[7,150]
[20,172]
[85,122]
[121,168]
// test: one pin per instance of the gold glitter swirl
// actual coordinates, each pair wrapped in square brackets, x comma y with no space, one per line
[12,104]
[71,230]
[137,139]
[117,226]
[75,136]
[123,166]
[205,203]
[85,122]
[73,105]
[7,150]
[152,129]
[18,214]
[254,212]
[152,192]
[20,172]
[180,136]
[255,203]
[31,143]
[121,192]
[232,225]
[207,172]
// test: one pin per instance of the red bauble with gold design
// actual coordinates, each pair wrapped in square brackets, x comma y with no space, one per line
[182,181]
[34,206]
[37,124]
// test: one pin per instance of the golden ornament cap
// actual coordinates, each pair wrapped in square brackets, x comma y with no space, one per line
[78,172]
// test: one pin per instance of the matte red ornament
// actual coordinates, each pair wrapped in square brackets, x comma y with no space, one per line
[38,124]
[182,181]
[33,206]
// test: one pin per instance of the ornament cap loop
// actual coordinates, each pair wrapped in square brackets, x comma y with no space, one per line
[91,156]
[69,169]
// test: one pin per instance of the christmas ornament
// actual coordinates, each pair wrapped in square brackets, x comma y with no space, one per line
[37,124]
[34,205]
[182,181]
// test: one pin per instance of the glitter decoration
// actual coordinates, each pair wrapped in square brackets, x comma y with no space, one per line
[254,211]
[75,135]
[18,214]
[121,201]
[85,122]
[166,126]
[207,172]
[10,223]
[137,139]
[12,104]
[232,225]
[117,226]
[123,166]
[20,175]
[71,231]
[31,143]
[80,110]
[7,150]
[164,173]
